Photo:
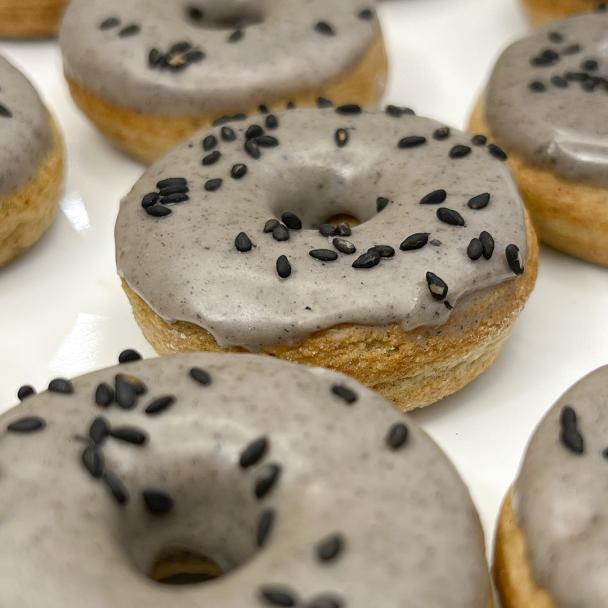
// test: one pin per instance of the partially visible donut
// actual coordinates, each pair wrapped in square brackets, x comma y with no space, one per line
[31,164]
[223,245]
[303,487]
[540,12]
[30,18]
[149,72]
[552,541]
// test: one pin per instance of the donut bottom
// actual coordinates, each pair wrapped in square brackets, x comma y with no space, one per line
[540,12]
[569,216]
[410,368]
[512,571]
[26,214]
[30,18]
[147,137]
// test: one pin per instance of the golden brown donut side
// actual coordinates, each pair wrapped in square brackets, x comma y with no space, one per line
[411,368]
[540,12]
[569,216]
[30,18]
[512,572]
[26,214]
[148,137]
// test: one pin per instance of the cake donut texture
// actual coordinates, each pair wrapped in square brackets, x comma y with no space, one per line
[546,105]
[149,73]
[552,540]
[544,11]
[30,18]
[31,164]
[304,487]
[225,244]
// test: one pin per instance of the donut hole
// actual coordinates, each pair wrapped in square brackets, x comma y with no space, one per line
[178,566]
[225,14]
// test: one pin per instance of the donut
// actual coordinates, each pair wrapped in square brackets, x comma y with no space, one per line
[545,105]
[540,12]
[551,540]
[282,476]
[149,73]
[30,18]
[227,244]
[31,164]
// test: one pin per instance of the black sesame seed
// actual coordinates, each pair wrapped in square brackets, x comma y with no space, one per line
[116,487]
[605,453]
[322,27]
[109,23]
[270,225]
[397,436]
[280,233]
[200,375]
[475,249]
[555,37]
[157,502]
[271,122]
[125,393]
[266,141]
[384,251]
[434,198]
[325,601]
[169,191]
[253,453]
[180,47]
[99,430]
[349,108]
[236,36]
[572,439]
[497,152]
[150,199]
[330,548]
[367,260]
[441,133]
[128,355]
[514,259]
[212,185]
[267,480]
[129,30]
[322,103]
[343,392]
[366,14]
[129,434]
[398,112]
[291,220]
[411,141]
[459,151]
[265,526]
[344,246]
[590,65]
[104,395]
[243,243]
[342,229]
[450,216]
[93,461]
[222,120]
[172,181]
[278,596]
[27,424]
[479,140]
[25,391]
[568,416]
[263,108]
[437,286]
[326,229]
[253,131]
[283,267]
[487,243]
[175,198]
[60,385]
[238,171]
[536,86]
[415,241]
[576,76]
[324,255]
[212,158]
[155,58]
[291,105]
[559,82]
[341,137]
[479,201]
[381,203]
[157,406]
[227,134]
[209,143]
[252,149]
[158,210]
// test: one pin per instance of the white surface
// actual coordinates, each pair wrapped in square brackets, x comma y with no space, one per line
[62,311]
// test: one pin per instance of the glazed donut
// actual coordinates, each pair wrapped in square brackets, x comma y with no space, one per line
[149,72]
[286,478]
[31,164]
[551,544]
[237,252]
[546,105]
[30,18]
[540,12]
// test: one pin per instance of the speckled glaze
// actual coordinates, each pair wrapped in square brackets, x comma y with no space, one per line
[280,53]
[561,499]
[186,267]
[563,129]
[410,531]
[26,136]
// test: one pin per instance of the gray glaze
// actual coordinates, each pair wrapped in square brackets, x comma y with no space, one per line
[186,266]
[563,129]
[279,55]
[561,500]
[26,136]
[411,531]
